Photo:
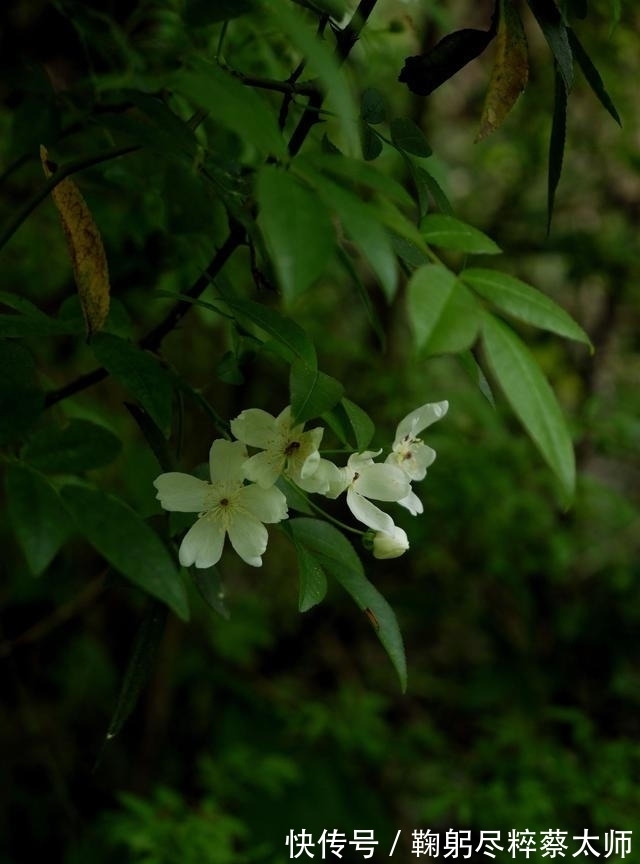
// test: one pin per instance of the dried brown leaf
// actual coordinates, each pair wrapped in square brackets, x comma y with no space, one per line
[86,249]
[510,70]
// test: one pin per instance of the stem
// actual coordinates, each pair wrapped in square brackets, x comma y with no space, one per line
[323,513]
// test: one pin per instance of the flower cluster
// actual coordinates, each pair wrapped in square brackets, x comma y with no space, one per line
[242,496]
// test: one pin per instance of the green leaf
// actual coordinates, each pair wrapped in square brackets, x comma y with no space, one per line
[356,173]
[399,224]
[371,143]
[477,376]
[153,436]
[592,75]
[80,446]
[337,557]
[523,302]
[351,424]
[139,666]
[372,106]
[296,228]
[209,583]
[531,398]
[21,400]
[37,514]
[556,143]
[447,232]
[360,222]
[443,315]
[312,392]
[30,321]
[321,60]
[406,135]
[140,373]
[550,20]
[234,106]
[436,190]
[313,579]
[284,330]
[125,540]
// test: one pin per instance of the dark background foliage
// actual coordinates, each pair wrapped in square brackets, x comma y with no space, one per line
[520,619]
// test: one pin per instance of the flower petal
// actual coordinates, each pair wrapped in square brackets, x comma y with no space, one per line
[226,459]
[202,544]
[248,537]
[368,513]
[264,468]
[181,492]
[357,461]
[412,503]
[327,480]
[265,505]
[413,459]
[382,482]
[256,428]
[419,419]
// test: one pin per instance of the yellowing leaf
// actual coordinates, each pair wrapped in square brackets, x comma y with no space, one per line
[510,71]
[85,249]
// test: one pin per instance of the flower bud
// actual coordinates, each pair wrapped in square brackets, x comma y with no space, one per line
[390,544]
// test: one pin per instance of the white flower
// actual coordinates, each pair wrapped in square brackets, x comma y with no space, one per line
[363,479]
[390,544]
[224,506]
[408,452]
[286,448]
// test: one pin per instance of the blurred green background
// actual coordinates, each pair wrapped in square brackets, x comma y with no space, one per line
[520,620]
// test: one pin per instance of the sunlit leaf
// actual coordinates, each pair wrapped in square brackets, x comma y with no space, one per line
[447,232]
[521,301]
[296,228]
[443,314]
[531,398]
